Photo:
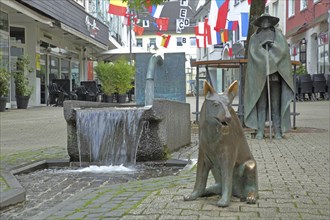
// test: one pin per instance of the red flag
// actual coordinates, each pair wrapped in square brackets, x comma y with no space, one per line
[138,30]
[222,16]
[162,23]
[117,7]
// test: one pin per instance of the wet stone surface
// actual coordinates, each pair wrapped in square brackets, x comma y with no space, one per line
[49,187]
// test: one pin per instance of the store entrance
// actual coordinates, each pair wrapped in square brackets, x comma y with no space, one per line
[55,67]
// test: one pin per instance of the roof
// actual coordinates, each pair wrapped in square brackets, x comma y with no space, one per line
[172,11]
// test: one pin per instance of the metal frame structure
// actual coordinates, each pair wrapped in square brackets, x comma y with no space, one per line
[235,63]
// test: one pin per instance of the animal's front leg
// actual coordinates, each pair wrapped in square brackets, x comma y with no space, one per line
[203,169]
[227,183]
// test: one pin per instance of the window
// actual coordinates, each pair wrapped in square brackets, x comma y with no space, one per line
[152,42]
[303,4]
[267,9]
[323,53]
[179,41]
[192,41]
[81,2]
[145,23]
[275,9]
[291,8]
[139,42]
[17,34]
[236,2]
[4,21]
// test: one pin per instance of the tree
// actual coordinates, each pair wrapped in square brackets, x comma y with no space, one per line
[256,9]
[138,4]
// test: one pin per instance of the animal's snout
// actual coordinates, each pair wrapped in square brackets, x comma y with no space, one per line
[226,120]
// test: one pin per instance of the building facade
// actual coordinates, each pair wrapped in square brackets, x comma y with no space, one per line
[180,41]
[307,32]
[60,38]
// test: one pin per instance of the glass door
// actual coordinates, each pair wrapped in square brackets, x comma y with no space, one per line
[54,68]
[42,74]
[75,74]
[65,69]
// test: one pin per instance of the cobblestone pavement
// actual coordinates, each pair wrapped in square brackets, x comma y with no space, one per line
[293,173]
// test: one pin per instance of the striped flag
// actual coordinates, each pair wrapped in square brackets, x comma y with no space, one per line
[232,25]
[117,7]
[218,14]
[165,39]
[224,36]
[156,10]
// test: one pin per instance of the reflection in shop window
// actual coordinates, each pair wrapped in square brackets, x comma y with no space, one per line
[75,72]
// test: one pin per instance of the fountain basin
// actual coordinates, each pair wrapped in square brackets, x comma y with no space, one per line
[167,129]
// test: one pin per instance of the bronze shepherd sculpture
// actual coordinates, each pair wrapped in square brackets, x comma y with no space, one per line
[223,149]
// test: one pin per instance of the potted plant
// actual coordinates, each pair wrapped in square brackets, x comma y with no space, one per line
[105,73]
[123,78]
[22,87]
[4,88]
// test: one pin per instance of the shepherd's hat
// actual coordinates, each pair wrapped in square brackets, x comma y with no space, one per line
[266,20]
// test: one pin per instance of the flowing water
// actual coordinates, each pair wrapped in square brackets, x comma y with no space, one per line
[110,134]
[149,92]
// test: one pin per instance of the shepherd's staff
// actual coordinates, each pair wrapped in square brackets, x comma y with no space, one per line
[268,90]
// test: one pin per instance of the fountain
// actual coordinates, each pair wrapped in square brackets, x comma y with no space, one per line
[108,133]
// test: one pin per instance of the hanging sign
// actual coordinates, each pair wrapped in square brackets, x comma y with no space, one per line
[91,27]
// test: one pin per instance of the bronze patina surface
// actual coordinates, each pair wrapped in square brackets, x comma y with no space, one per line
[224,151]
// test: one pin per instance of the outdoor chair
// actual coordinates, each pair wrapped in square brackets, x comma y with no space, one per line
[319,85]
[81,93]
[92,90]
[56,97]
[64,86]
[305,86]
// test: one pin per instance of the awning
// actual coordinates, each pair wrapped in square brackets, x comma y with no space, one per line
[122,51]
[25,10]
[82,36]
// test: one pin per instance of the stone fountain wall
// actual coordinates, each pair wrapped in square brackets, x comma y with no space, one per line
[167,129]
[169,78]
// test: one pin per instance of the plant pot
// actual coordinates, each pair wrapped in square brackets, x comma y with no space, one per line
[22,101]
[108,98]
[3,102]
[121,98]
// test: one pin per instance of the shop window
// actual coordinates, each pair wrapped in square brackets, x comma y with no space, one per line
[4,24]
[139,42]
[17,34]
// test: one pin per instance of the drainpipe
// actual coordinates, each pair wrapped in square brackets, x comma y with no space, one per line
[149,90]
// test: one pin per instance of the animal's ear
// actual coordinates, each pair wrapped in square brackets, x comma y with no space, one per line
[232,91]
[208,88]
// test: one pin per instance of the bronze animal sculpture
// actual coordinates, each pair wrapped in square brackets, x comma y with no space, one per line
[224,151]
